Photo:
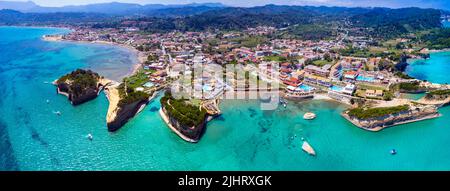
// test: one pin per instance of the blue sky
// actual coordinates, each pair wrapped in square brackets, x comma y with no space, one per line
[444,4]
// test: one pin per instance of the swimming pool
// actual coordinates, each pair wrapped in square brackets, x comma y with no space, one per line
[336,88]
[305,87]
[207,88]
[148,85]
[365,79]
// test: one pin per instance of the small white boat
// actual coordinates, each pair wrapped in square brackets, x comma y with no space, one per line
[48,101]
[309,116]
[393,152]
[308,149]
[90,137]
[57,112]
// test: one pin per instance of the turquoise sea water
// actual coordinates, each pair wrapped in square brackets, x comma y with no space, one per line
[243,138]
[434,69]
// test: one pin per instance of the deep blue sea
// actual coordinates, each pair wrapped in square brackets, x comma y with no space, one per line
[32,137]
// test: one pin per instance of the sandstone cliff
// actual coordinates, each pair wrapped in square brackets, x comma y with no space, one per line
[412,115]
[190,134]
[80,86]
[119,115]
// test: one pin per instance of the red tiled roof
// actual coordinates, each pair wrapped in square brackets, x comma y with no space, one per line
[351,73]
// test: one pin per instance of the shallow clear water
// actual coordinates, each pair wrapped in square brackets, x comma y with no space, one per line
[243,138]
[436,69]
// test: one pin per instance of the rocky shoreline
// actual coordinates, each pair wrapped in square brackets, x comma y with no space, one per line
[414,114]
[438,101]
[76,93]
[189,134]
[118,116]
[88,95]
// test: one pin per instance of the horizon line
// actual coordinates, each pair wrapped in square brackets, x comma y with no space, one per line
[225,5]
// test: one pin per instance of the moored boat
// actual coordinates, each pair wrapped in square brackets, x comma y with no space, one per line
[309,116]
[308,149]
[393,152]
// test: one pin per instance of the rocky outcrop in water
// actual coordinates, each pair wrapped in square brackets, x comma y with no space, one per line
[415,113]
[79,86]
[186,119]
[190,133]
[438,98]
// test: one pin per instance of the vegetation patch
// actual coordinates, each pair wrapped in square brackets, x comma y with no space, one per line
[185,112]
[251,41]
[321,63]
[312,32]
[403,75]
[440,94]
[80,80]
[136,80]
[127,89]
[369,113]
[437,39]
[410,86]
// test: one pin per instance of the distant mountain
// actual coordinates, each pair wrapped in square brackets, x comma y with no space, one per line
[105,8]
[270,15]
[394,22]
[180,11]
[115,8]
[19,6]
[378,22]
[12,17]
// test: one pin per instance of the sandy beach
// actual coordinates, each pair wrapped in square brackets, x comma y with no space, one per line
[322,97]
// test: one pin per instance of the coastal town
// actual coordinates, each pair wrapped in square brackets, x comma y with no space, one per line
[300,69]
